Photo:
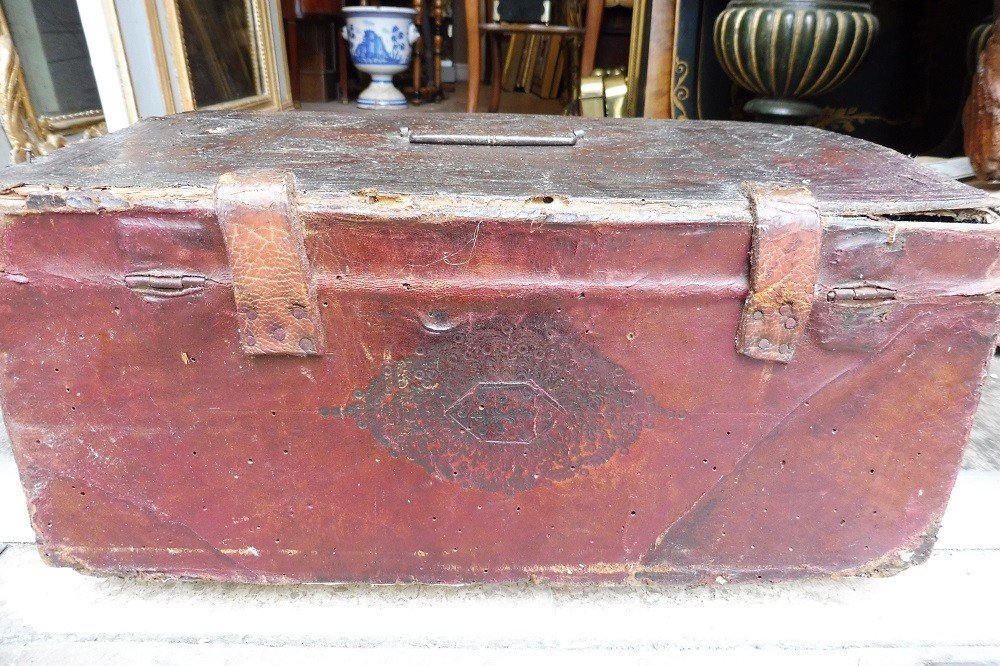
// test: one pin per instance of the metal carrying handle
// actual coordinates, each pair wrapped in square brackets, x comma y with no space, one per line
[491,139]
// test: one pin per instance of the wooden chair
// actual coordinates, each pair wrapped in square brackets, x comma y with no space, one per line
[494,32]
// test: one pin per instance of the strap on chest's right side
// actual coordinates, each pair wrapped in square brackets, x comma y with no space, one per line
[784,267]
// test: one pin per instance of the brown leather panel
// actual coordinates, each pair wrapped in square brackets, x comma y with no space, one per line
[275,298]
[784,265]
[320,498]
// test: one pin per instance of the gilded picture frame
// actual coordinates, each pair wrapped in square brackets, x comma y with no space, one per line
[635,74]
[265,65]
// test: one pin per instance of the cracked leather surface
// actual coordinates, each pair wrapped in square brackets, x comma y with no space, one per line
[275,301]
[784,263]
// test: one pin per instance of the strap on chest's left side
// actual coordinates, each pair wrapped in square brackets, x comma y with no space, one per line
[276,301]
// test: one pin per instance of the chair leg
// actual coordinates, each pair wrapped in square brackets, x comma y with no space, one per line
[592,28]
[496,67]
[573,108]
[474,47]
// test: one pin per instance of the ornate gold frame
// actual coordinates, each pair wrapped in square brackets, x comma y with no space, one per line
[636,56]
[160,57]
[267,71]
[28,132]
[121,59]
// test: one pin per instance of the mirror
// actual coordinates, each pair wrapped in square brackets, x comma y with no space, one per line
[54,57]
[221,50]
[223,45]
[49,89]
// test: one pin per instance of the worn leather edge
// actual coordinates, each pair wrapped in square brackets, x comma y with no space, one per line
[275,297]
[784,267]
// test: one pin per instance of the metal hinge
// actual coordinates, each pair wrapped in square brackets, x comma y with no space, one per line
[164,285]
[862,293]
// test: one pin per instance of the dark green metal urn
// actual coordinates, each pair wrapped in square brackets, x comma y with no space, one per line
[977,43]
[786,51]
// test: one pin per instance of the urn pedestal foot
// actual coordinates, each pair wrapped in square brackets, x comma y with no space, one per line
[781,111]
[381,94]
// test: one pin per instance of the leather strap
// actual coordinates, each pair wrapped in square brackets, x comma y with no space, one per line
[275,296]
[784,265]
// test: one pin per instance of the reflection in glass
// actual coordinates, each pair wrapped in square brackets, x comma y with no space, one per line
[49,39]
[220,45]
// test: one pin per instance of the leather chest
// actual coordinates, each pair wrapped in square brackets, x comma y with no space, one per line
[304,347]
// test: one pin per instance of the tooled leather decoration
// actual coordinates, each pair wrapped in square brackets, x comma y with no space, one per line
[504,404]
[275,296]
[784,265]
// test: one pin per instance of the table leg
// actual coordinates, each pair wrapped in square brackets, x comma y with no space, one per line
[292,43]
[418,53]
[437,17]
[496,66]
[342,62]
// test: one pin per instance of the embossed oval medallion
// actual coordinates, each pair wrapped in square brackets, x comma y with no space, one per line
[503,404]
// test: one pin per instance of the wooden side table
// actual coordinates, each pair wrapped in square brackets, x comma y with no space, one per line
[324,15]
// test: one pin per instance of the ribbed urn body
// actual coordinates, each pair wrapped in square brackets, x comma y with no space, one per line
[784,50]
[977,43]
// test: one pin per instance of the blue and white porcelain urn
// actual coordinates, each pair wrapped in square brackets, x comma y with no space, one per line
[380,40]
